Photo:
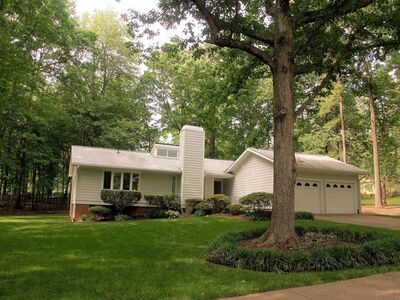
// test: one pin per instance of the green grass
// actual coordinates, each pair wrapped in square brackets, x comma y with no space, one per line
[47,257]
[390,201]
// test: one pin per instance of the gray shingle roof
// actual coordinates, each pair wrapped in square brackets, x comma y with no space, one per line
[312,162]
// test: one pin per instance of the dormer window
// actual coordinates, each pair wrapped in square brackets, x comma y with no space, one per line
[167,153]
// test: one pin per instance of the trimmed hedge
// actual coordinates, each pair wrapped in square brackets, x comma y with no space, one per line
[219,202]
[265,215]
[203,208]
[257,201]
[100,211]
[191,204]
[165,201]
[120,198]
[235,209]
[371,249]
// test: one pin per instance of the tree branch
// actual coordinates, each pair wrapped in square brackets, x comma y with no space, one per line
[331,12]
[237,44]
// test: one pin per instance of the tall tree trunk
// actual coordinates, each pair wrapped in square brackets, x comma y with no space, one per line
[374,138]
[341,107]
[281,229]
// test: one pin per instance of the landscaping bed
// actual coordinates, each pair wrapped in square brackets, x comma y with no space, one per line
[317,249]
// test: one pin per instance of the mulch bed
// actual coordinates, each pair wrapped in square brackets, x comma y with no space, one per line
[309,242]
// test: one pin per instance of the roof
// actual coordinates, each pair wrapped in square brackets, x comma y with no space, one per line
[132,160]
[307,162]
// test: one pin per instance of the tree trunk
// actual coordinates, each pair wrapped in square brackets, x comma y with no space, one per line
[384,193]
[281,229]
[343,128]
[374,138]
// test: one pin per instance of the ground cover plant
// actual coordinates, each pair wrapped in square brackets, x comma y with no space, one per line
[318,248]
[48,257]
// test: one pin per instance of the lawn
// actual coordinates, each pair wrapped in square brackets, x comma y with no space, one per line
[47,257]
[390,201]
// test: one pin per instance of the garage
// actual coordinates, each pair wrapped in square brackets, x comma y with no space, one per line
[340,197]
[308,196]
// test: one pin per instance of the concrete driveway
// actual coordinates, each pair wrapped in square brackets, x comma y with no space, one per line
[365,220]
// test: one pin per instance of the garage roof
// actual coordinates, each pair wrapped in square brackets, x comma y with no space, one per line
[307,162]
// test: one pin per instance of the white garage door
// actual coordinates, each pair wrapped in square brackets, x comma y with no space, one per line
[340,197]
[308,196]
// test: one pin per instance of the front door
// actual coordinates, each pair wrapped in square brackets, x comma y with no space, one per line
[217,187]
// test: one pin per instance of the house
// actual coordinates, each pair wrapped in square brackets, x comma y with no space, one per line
[324,184]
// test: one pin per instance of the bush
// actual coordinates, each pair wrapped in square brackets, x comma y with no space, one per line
[120,198]
[100,211]
[370,249]
[169,205]
[86,218]
[191,204]
[259,215]
[219,202]
[169,214]
[303,215]
[235,209]
[121,218]
[203,208]
[257,201]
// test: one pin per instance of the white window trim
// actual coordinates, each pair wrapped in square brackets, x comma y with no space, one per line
[122,177]
[176,184]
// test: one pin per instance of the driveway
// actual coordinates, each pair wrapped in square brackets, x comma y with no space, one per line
[365,220]
[382,286]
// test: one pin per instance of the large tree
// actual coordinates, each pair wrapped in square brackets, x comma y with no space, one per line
[291,38]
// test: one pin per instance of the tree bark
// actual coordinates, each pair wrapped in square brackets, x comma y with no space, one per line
[374,138]
[281,229]
[341,106]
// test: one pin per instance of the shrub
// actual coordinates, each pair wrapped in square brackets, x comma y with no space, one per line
[86,218]
[257,201]
[100,211]
[120,198]
[169,214]
[191,204]
[121,218]
[303,215]
[169,205]
[259,215]
[219,202]
[235,209]
[370,249]
[203,208]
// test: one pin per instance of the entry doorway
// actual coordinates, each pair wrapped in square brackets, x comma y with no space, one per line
[218,187]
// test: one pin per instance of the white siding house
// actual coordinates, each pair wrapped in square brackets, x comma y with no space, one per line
[324,185]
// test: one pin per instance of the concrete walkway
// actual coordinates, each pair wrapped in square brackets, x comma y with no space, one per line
[382,286]
[365,220]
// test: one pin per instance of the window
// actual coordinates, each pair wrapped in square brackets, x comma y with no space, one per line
[135,182]
[335,185]
[167,153]
[116,181]
[119,180]
[174,183]
[307,184]
[161,152]
[328,185]
[342,186]
[299,184]
[107,180]
[349,186]
[314,184]
[126,181]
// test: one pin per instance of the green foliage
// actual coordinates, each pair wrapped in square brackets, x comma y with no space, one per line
[166,203]
[259,215]
[191,204]
[121,218]
[235,208]
[100,211]
[371,249]
[120,198]
[203,208]
[257,201]
[86,218]
[303,215]
[168,214]
[219,202]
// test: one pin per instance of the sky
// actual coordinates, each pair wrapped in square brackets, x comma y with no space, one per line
[122,6]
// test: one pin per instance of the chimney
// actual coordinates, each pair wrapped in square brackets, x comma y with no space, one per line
[191,143]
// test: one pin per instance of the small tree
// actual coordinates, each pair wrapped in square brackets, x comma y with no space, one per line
[120,199]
